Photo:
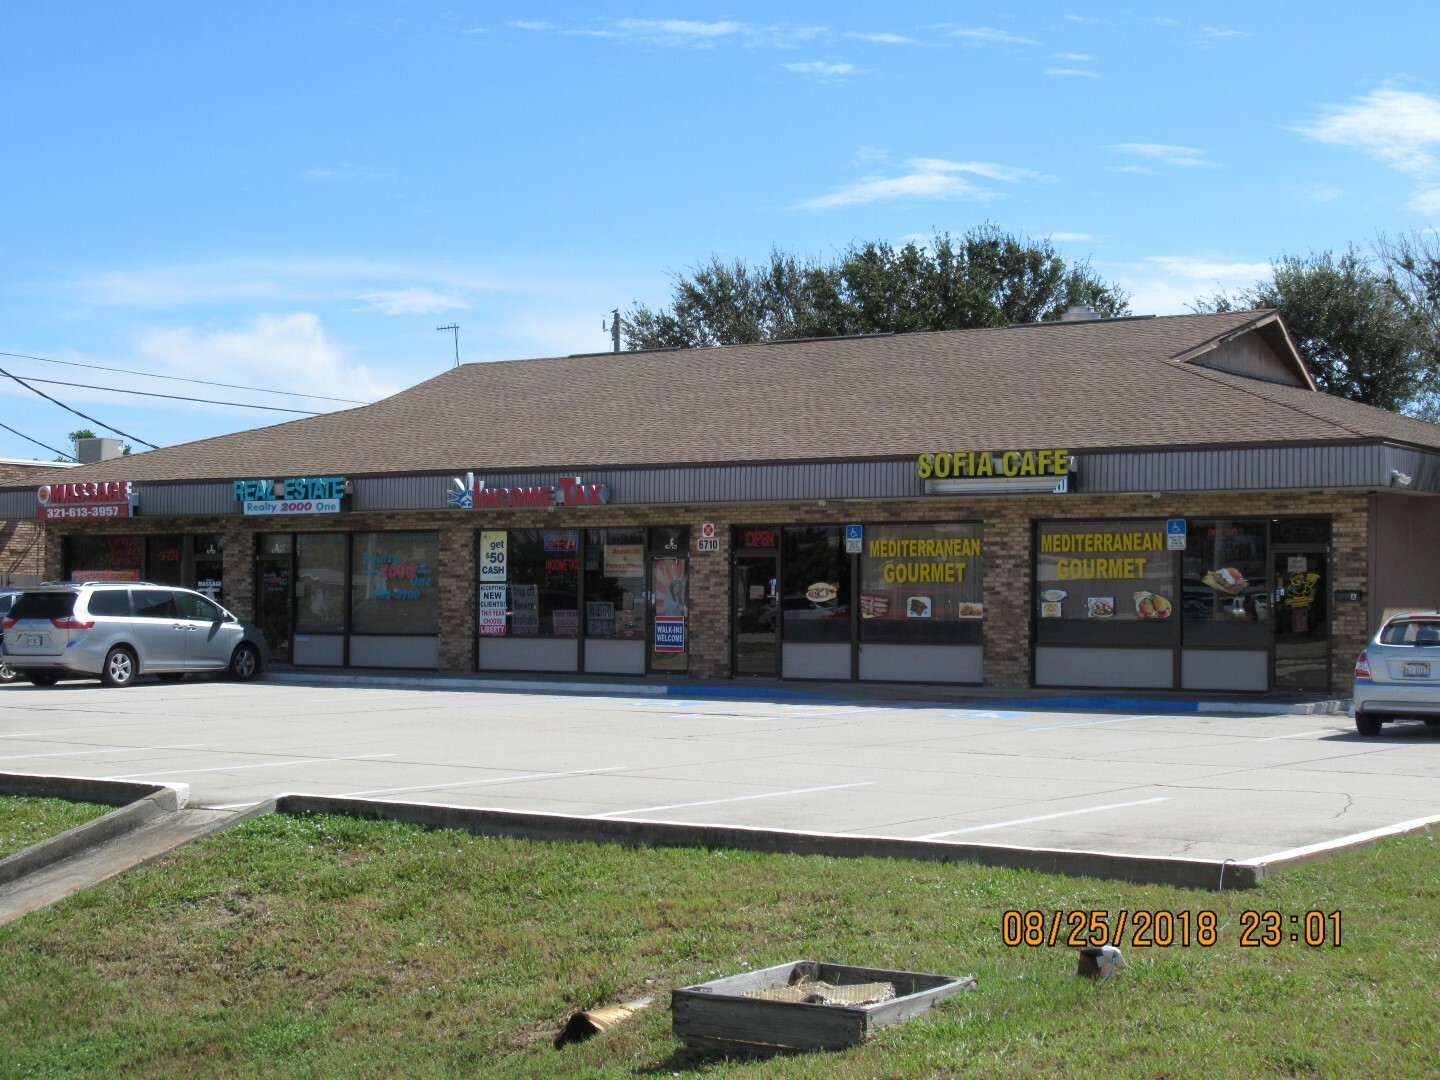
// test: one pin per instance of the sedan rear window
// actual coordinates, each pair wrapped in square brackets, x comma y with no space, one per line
[1412,632]
[44,605]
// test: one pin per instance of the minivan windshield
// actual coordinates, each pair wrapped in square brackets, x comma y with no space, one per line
[43,605]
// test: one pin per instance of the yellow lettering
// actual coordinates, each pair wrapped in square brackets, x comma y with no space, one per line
[925,466]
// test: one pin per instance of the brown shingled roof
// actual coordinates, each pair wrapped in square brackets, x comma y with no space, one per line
[1100,384]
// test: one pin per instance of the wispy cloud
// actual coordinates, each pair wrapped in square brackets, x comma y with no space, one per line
[386,287]
[1168,284]
[1322,193]
[1218,32]
[1398,128]
[1079,58]
[1072,237]
[282,350]
[1184,157]
[531,25]
[1080,19]
[345,173]
[411,301]
[883,39]
[823,70]
[1072,72]
[928,179]
[991,36]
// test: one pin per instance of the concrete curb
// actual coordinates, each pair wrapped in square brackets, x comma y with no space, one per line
[1269,865]
[138,805]
[1141,869]
[923,694]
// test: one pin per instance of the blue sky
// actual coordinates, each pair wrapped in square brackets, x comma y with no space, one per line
[293,196]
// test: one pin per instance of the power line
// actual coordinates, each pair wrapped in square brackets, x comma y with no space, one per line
[177,378]
[77,412]
[37,442]
[171,397]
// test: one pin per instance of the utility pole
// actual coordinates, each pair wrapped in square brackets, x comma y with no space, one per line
[614,328]
[455,328]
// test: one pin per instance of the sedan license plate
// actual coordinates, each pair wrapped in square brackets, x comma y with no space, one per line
[1416,670]
[36,640]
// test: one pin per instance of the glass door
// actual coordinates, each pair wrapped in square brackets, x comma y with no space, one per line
[273,595]
[1301,584]
[757,615]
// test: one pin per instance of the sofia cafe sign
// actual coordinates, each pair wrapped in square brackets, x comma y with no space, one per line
[1002,471]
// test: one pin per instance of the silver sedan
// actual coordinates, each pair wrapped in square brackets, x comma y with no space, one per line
[1398,673]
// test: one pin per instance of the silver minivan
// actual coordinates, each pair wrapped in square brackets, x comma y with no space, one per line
[118,630]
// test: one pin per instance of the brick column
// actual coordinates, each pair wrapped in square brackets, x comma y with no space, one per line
[457,599]
[1008,567]
[708,605]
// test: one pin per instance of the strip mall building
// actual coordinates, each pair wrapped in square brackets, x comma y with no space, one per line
[1156,503]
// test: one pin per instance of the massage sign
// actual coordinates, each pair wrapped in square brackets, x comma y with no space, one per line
[86,502]
[296,495]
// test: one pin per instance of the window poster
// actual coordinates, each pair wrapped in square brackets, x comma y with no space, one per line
[599,619]
[525,610]
[669,633]
[565,622]
[669,587]
[624,560]
[492,556]
[492,610]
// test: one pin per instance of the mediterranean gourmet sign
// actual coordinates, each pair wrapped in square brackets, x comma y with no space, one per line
[469,493]
[983,464]
[86,501]
[922,572]
[294,495]
[1116,570]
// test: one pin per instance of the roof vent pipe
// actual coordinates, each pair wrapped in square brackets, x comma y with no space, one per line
[1079,313]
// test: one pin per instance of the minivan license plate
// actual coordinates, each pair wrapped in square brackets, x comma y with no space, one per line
[1417,671]
[34,640]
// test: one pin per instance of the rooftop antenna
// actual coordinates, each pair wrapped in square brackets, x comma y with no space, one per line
[614,327]
[455,328]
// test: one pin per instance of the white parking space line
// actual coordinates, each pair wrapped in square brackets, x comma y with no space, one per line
[1042,817]
[477,783]
[1297,735]
[24,735]
[1089,723]
[262,765]
[738,798]
[97,753]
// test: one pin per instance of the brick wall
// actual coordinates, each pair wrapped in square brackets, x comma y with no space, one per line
[1009,557]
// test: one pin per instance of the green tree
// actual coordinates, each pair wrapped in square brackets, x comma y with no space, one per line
[1354,329]
[985,277]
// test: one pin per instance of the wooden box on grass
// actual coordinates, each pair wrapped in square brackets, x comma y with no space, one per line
[719,1016]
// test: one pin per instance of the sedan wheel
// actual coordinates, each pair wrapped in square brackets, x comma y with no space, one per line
[1367,725]
[119,668]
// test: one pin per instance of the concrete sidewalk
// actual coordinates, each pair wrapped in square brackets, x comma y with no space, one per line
[761,689]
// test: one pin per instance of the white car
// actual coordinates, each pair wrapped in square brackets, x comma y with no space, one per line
[1398,673]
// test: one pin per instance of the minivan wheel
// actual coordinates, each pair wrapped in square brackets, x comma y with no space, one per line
[43,678]
[244,662]
[8,674]
[119,667]
[1367,725]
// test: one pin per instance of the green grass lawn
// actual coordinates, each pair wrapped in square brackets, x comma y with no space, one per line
[330,947]
[25,820]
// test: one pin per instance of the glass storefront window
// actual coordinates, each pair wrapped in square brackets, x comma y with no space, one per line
[165,560]
[1115,571]
[543,582]
[394,588]
[104,558]
[615,583]
[320,583]
[921,583]
[815,584]
[1223,575]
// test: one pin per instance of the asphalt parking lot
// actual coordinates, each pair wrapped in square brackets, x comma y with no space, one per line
[1214,787]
